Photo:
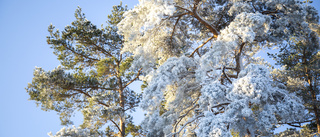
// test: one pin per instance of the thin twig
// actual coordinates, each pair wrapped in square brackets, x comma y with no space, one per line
[103,50]
[181,117]
[221,104]
[137,76]
[202,21]
[190,121]
[174,27]
[73,51]
[86,94]
[191,55]
[115,125]
[224,73]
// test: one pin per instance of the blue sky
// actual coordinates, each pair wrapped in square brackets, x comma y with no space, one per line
[23,31]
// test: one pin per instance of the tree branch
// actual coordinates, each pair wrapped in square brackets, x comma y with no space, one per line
[137,76]
[220,19]
[224,73]
[84,56]
[291,123]
[181,117]
[229,68]
[221,104]
[115,125]
[195,5]
[202,21]
[96,87]
[88,41]
[190,121]
[191,55]
[132,106]
[86,94]
[294,125]
[269,12]
[68,95]
[103,50]
[174,27]
[238,58]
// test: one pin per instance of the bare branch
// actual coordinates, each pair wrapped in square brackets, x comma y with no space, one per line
[190,121]
[96,87]
[103,50]
[86,94]
[137,76]
[191,55]
[115,125]
[232,76]
[221,104]
[294,125]
[220,19]
[195,5]
[84,56]
[68,95]
[182,116]
[269,12]
[133,106]
[224,73]
[291,123]
[198,53]
[201,20]
[174,27]
[238,58]
[178,15]
[229,68]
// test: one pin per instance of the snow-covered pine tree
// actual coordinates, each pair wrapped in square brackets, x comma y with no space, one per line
[93,78]
[200,65]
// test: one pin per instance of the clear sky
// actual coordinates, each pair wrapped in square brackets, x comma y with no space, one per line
[23,31]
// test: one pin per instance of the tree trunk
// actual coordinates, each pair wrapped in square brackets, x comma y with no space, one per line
[313,94]
[122,131]
[315,109]
[314,100]
[122,127]
[122,119]
[238,58]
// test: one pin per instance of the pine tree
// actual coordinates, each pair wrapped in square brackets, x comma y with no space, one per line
[300,59]
[202,76]
[93,78]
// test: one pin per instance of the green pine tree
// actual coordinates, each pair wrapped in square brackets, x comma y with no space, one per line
[301,61]
[93,77]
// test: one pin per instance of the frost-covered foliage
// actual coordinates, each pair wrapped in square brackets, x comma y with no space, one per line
[93,78]
[73,132]
[199,62]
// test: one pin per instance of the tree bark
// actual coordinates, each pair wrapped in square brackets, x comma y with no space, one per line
[315,109]
[238,58]
[122,102]
[313,94]
[317,117]
[314,100]
[122,119]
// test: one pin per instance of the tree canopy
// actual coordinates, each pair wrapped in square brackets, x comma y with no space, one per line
[93,78]
[198,61]
[301,68]
[202,75]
